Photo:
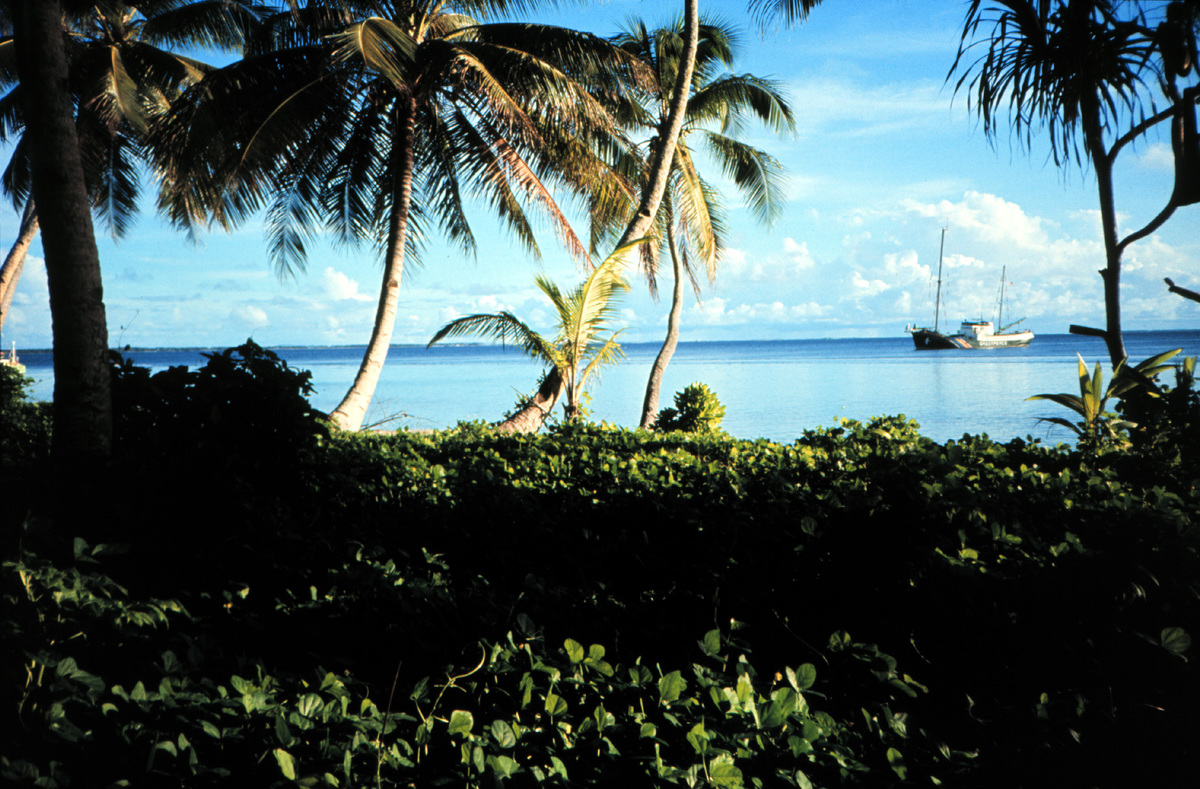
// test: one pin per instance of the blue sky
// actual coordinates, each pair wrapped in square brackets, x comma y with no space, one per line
[883,158]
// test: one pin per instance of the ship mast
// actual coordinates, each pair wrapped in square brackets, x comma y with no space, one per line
[1000,309]
[937,309]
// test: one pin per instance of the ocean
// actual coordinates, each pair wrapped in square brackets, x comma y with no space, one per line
[771,389]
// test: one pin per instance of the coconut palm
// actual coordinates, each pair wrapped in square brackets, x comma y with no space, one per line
[373,119]
[691,218]
[578,349]
[1076,69]
[123,75]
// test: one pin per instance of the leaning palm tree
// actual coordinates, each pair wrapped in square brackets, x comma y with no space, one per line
[577,350]
[123,73]
[1077,69]
[691,218]
[374,119]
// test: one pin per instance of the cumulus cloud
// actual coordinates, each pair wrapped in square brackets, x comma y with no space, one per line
[864,287]
[987,217]
[250,316]
[340,287]
[736,265]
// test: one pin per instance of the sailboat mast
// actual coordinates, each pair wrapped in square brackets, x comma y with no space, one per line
[937,309]
[1000,309]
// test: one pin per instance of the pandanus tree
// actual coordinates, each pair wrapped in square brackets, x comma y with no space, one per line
[123,72]
[690,221]
[1077,69]
[580,346]
[378,119]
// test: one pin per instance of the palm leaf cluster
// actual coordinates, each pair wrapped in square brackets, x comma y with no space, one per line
[719,107]
[308,124]
[582,342]
[124,72]
[1058,66]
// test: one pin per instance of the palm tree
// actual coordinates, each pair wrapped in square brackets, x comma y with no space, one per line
[123,76]
[82,395]
[375,126]
[1076,68]
[577,350]
[691,218]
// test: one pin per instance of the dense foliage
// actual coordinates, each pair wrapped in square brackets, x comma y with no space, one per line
[595,606]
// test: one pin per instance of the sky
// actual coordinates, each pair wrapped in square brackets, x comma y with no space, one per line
[884,156]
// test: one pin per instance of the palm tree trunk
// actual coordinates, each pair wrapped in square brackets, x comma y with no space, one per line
[82,386]
[531,417]
[350,412]
[10,272]
[654,385]
[660,167]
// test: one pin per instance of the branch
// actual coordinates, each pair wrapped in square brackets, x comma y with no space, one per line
[1088,331]
[1154,224]
[1189,96]
[1187,294]
[1139,130]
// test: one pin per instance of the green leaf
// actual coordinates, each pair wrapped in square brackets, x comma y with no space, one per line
[503,734]
[309,705]
[1175,639]
[805,676]
[461,722]
[896,760]
[723,772]
[282,732]
[671,686]
[503,766]
[574,650]
[555,704]
[287,764]
[711,645]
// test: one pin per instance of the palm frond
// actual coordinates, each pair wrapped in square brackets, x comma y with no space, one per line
[382,45]
[503,327]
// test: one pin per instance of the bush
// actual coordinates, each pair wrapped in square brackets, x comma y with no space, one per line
[245,406]
[24,425]
[697,410]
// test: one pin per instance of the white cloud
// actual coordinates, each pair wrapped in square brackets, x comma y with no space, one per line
[987,217]
[798,254]
[250,316]
[736,265]
[341,287]
[864,287]
[718,312]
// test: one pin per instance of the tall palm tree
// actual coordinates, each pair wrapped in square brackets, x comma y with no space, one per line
[691,218]
[576,351]
[374,118]
[122,74]
[82,394]
[1077,69]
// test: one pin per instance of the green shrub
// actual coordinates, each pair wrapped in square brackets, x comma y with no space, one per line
[24,425]
[244,406]
[697,410]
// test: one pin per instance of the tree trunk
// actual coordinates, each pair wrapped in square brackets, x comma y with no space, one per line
[82,389]
[10,272]
[1111,273]
[654,385]
[350,412]
[531,417]
[660,167]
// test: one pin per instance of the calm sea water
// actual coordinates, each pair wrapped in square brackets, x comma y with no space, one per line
[771,389]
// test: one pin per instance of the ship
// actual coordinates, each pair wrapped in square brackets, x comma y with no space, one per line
[971,334]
